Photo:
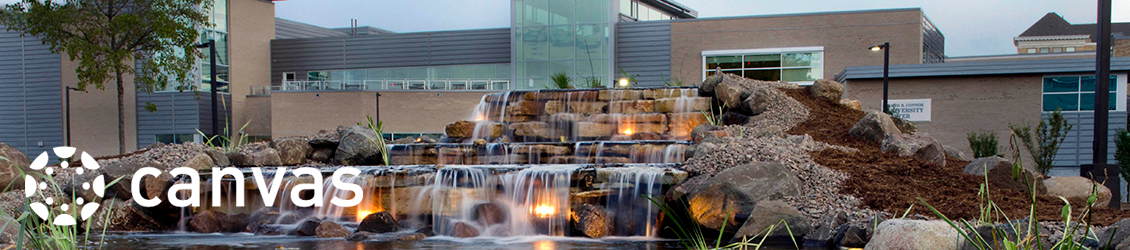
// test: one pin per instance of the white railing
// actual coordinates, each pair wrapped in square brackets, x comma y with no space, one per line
[470,84]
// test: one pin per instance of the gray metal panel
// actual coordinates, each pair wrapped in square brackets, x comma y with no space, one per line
[287,29]
[483,46]
[177,113]
[644,49]
[982,68]
[1076,148]
[31,99]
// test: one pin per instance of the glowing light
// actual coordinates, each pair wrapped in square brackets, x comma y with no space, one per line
[876,48]
[628,131]
[543,211]
[623,83]
[544,245]
[480,118]
[362,213]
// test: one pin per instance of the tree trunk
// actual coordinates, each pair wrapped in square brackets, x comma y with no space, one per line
[121,115]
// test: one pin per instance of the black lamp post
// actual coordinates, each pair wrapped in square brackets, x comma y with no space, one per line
[211,45]
[1103,172]
[886,47]
[68,91]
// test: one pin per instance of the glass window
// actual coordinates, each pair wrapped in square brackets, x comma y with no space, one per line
[376,74]
[536,12]
[485,71]
[726,62]
[763,61]
[537,69]
[479,84]
[437,84]
[317,75]
[1088,83]
[562,67]
[1069,49]
[442,72]
[374,84]
[1087,101]
[398,73]
[1032,50]
[561,42]
[418,73]
[1043,50]
[1074,93]
[801,75]
[416,84]
[803,67]
[802,59]
[764,75]
[396,84]
[1061,84]
[652,14]
[463,72]
[458,85]
[1057,50]
[562,12]
[503,71]
[1067,102]
[500,85]
[625,7]
[590,11]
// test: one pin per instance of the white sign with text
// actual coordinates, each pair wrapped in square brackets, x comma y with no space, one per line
[915,110]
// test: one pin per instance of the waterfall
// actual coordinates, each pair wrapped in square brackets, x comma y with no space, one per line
[540,198]
[634,213]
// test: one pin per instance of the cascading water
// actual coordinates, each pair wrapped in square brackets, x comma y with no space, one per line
[629,202]
[540,198]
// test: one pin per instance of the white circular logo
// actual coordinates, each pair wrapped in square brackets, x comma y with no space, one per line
[85,209]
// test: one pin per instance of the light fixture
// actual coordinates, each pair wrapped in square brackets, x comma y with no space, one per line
[623,82]
[876,48]
[886,48]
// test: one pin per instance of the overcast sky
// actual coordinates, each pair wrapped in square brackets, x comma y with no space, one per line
[971,27]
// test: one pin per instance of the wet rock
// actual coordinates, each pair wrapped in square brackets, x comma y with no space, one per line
[674,105]
[292,151]
[758,100]
[379,222]
[827,90]
[531,129]
[218,158]
[1077,190]
[591,220]
[709,84]
[915,146]
[200,161]
[235,223]
[1001,174]
[359,236]
[466,129]
[324,155]
[593,129]
[402,236]
[733,118]
[699,132]
[739,189]
[479,142]
[852,104]
[852,235]
[308,227]
[875,126]
[631,107]
[824,233]
[769,213]
[954,152]
[646,136]
[260,218]
[464,230]
[426,231]
[405,140]
[729,93]
[239,159]
[358,147]
[207,222]
[329,229]
[10,169]
[914,234]
[489,214]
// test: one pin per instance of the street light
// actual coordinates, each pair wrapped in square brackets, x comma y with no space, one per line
[211,45]
[68,91]
[886,47]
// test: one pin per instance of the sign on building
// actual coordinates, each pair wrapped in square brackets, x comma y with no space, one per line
[915,110]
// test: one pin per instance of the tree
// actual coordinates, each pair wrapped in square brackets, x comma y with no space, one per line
[1048,137]
[110,37]
[1122,153]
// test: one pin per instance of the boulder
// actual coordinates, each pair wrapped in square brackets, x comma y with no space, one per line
[700,132]
[531,129]
[954,152]
[591,220]
[200,161]
[359,236]
[1004,231]
[708,85]
[460,129]
[265,157]
[1116,234]
[489,214]
[239,159]
[914,234]
[768,213]
[260,218]
[464,230]
[292,151]
[729,93]
[329,229]
[10,233]
[875,126]
[827,90]
[1000,174]
[631,107]
[739,189]
[326,138]
[379,222]
[852,235]
[324,155]
[804,142]
[733,118]
[916,146]
[358,147]
[1077,189]
[904,125]
[218,158]
[207,222]
[824,232]
[307,227]
[10,169]
[593,129]
[405,140]
[758,100]
[852,104]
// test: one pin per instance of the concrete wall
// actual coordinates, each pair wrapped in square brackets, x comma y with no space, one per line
[94,114]
[304,113]
[252,26]
[845,37]
[258,111]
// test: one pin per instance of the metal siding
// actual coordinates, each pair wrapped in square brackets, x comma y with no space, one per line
[485,46]
[31,99]
[644,49]
[177,113]
[1076,148]
[982,68]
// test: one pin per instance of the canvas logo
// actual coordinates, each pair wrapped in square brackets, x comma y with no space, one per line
[84,208]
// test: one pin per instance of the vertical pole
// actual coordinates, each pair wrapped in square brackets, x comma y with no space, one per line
[378,106]
[1102,97]
[886,78]
[67,89]
[214,84]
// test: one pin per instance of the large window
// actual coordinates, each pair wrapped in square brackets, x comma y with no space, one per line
[455,77]
[1076,93]
[797,65]
[560,36]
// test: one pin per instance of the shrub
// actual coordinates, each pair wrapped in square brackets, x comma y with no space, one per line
[1046,141]
[1122,153]
[561,81]
[984,143]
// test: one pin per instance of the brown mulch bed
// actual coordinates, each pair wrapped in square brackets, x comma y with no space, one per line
[888,182]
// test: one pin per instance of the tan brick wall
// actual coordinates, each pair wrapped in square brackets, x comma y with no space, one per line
[845,37]
[252,26]
[1121,48]
[259,113]
[304,113]
[960,105]
[94,113]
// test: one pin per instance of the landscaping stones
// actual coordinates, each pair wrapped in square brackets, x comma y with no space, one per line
[729,93]
[292,151]
[954,152]
[464,230]
[904,125]
[709,84]
[1001,174]
[592,129]
[768,213]
[265,157]
[487,214]
[359,236]
[329,229]
[10,169]
[200,161]
[682,104]
[307,227]
[915,146]
[1077,190]
[875,126]
[218,158]
[591,220]
[631,107]
[914,234]
[357,147]
[827,89]
[532,129]
[852,104]
[824,231]
[739,189]
[460,129]
[758,100]
[1118,234]
[206,222]
[379,222]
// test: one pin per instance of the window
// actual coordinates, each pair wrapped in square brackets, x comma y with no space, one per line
[456,77]
[1069,49]
[1057,50]
[1075,93]
[175,138]
[1031,50]
[288,77]
[800,66]
[1043,50]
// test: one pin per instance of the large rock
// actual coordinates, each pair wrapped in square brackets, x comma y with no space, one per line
[200,161]
[358,147]
[739,189]
[464,230]
[916,146]
[489,214]
[767,214]
[1000,174]
[914,234]
[758,100]
[466,129]
[875,126]
[853,235]
[1077,189]
[207,222]
[329,229]
[904,125]
[10,233]
[307,227]
[729,92]
[954,152]
[591,220]
[265,157]
[324,155]
[852,104]
[292,151]
[827,90]
[824,232]
[1117,234]
[709,84]
[359,236]
[10,168]
[379,222]
[218,158]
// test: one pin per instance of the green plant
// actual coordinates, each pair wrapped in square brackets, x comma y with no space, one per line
[1044,145]
[631,79]
[561,81]
[225,142]
[714,118]
[46,235]
[1122,153]
[692,237]
[983,142]
[592,83]
[380,141]
[674,81]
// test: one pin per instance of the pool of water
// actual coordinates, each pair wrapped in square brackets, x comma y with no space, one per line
[194,241]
